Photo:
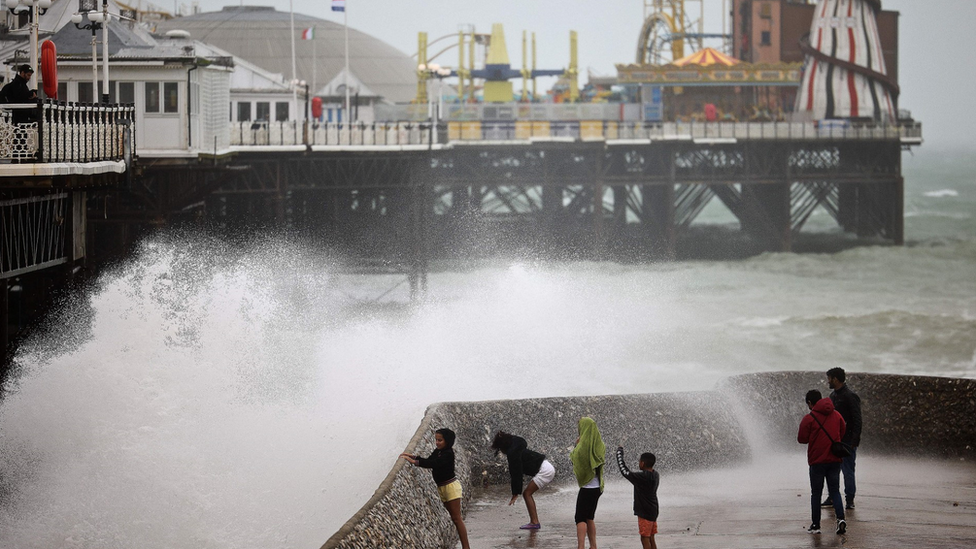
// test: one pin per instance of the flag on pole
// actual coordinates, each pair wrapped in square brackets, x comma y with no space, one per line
[308,34]
[338,5]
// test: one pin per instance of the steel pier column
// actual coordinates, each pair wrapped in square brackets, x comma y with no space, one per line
[658,219]
[4,325]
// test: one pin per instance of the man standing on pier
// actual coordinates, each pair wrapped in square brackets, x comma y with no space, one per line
[849,405]
[17,91]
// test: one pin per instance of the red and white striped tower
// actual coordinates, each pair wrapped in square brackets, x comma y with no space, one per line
[844,72]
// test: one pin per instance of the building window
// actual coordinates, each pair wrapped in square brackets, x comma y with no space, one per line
[766,11]
[767,38]
[127,93]
[62,91]
[171,97]
[152,96]
[85,92]
[243,112]
[281,111]
[263,111]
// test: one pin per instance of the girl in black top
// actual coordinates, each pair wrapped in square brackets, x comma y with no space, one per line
[522,461]
[441,464]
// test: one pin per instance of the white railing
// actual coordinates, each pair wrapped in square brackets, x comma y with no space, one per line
[355,134]
[52,131]
[412,133]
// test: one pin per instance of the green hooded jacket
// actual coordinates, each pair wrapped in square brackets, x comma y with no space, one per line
[590,452]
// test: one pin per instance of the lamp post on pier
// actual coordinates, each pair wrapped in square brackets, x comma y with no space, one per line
[296,84]
[37,8]
[433,70]
[98,20]
[94,26]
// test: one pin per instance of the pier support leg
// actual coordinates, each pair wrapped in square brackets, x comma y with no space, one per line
[658,220]
[280,193]
[599,238]
[618,234]
[767,215]
[4,327]
[552,206]
[847,207]
[863,207]
[897,222]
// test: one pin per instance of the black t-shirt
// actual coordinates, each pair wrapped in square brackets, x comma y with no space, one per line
[441,464]
[645,488]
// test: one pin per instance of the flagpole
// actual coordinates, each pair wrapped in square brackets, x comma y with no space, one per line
[345,23]
[315,62]
[294,71]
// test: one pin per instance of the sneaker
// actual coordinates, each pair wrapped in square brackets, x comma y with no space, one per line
[814,529]
[530,526]
[827,503]
[850,504]
[841,527]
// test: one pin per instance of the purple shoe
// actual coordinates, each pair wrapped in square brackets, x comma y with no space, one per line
[530,526]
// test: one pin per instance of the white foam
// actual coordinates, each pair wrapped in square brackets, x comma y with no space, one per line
[942,193]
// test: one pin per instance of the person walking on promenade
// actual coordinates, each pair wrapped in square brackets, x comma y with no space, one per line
[848,404]
[441,464]
[588,456]
[819,430]
[645,484]
[522,461]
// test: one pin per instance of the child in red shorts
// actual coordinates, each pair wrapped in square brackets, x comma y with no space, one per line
[645,484]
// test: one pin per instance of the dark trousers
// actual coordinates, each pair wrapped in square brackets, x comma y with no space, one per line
[847,467]
[830,472]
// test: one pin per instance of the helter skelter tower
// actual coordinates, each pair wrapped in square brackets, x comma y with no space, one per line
[844,72]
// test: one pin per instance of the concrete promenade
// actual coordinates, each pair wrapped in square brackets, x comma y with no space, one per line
[901,503]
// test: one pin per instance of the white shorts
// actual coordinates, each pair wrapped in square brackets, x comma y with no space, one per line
[545,475]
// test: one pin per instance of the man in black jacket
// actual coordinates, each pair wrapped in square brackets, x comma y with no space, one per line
[17,91]
[849,405]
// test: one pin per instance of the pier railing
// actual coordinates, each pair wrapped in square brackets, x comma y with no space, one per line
[356,133]
[53,131]
[244,134]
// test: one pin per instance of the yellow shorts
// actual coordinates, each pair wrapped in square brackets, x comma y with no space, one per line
[450,492]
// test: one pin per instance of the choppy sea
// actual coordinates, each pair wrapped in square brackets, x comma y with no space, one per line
[202,395]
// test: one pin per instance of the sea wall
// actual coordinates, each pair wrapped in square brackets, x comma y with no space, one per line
[902,415]
[687,431]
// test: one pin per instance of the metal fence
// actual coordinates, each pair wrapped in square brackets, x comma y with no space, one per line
[33,233]
[411,133]
[54,131]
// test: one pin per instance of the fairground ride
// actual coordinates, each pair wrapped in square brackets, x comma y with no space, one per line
[669,32]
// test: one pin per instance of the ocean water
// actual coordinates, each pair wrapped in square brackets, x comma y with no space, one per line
[204,394]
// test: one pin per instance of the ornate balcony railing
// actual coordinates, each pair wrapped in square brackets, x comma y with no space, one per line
[52,131]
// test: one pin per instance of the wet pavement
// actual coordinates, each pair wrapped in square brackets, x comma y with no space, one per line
[900,503]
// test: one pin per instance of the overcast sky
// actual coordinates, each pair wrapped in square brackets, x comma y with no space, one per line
[937,38]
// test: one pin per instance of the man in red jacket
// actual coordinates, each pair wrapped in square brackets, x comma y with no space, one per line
[818,430]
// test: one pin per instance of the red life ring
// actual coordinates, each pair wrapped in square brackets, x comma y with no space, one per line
[316,108]
[49,69]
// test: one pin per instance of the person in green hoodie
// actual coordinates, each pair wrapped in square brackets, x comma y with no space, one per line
[588,458]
